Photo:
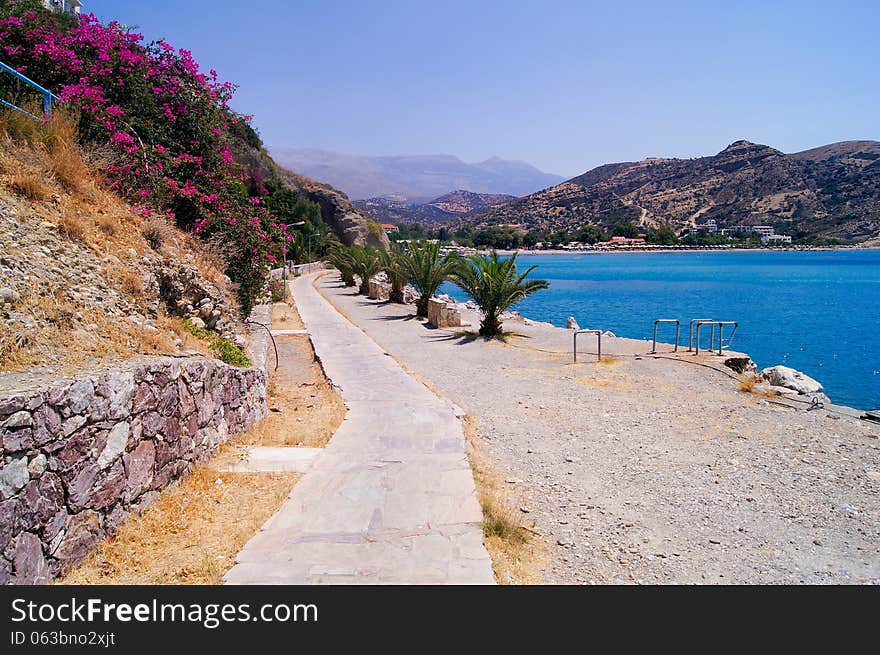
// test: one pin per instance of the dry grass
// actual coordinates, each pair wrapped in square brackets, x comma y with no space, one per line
[81,335]
[30,186]
[156,232]
[191,534]
[106,223]
[72,226]
[519,555]
[131,283]
[748,385]
[43,164]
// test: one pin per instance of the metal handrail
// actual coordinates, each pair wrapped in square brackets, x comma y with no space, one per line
[48,96]
[691,331]
[720,325]
[677,332]
[598,334]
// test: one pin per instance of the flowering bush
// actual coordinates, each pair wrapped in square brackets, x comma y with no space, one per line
[169,125]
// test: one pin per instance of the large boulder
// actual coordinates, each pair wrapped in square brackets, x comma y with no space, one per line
[783,376]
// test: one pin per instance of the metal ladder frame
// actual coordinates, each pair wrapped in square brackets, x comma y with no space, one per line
[720,325]
[677,332]
[598,334]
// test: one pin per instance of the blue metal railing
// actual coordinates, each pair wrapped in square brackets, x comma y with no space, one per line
[48,96]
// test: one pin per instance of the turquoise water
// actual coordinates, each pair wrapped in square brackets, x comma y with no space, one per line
[818,312]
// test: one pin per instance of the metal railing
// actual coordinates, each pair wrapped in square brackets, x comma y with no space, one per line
[48,96]
[677,332]
[720,325]
[598,334]
[694,321]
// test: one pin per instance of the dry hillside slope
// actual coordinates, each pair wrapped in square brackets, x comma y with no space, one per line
[832,191]
[84,279]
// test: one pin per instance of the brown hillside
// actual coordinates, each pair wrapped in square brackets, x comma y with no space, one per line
[831,191]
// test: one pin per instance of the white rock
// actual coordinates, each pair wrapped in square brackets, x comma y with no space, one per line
[572,324]
[37,465]
[783,376]
[116,442]
[17,420]
[14,476]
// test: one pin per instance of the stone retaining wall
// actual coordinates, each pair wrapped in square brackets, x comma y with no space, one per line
[78,455]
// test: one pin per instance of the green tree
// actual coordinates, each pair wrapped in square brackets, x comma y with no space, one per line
[663,235]
[495,285]
[426,270]
[289,207]
[340,258]
[394,265]
[627,229]
[591,234]
[366,264]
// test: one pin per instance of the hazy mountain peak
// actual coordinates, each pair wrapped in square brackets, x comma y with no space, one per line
[414,176]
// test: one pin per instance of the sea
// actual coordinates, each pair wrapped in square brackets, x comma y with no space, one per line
[815,311]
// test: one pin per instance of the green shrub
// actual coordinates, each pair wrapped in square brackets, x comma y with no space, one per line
[225,349]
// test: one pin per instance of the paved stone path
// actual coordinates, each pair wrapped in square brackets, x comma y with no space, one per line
[391,499]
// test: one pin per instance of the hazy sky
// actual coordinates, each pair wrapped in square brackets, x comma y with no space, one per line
[564,85]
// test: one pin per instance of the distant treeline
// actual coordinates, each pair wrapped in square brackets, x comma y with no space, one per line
[510,238]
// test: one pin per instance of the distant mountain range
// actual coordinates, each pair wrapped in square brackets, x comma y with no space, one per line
[448,207]
[830,191]
[415,178]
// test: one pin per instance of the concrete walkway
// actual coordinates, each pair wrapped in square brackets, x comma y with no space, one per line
[391,499]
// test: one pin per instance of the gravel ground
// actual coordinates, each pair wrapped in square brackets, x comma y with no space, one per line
[645,470]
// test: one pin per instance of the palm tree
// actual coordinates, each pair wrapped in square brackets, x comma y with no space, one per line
[427,271]
[394,265]
[495,285]
[340,257]
[366,265]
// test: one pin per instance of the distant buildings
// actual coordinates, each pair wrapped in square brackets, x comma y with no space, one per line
[624,241]
[776,238]
[388,227]
[766,232]
[70,6]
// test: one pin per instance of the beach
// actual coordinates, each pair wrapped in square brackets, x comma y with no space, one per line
[644,469]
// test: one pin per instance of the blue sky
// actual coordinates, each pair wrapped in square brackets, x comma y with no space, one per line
[566,85]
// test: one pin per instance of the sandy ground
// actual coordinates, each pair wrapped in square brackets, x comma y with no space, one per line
[647,470]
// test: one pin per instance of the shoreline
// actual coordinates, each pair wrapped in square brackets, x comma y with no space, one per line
[668,251]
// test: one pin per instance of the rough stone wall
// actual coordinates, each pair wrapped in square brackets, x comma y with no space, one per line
[77,456]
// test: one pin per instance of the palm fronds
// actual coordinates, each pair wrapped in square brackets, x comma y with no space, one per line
[495,285]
